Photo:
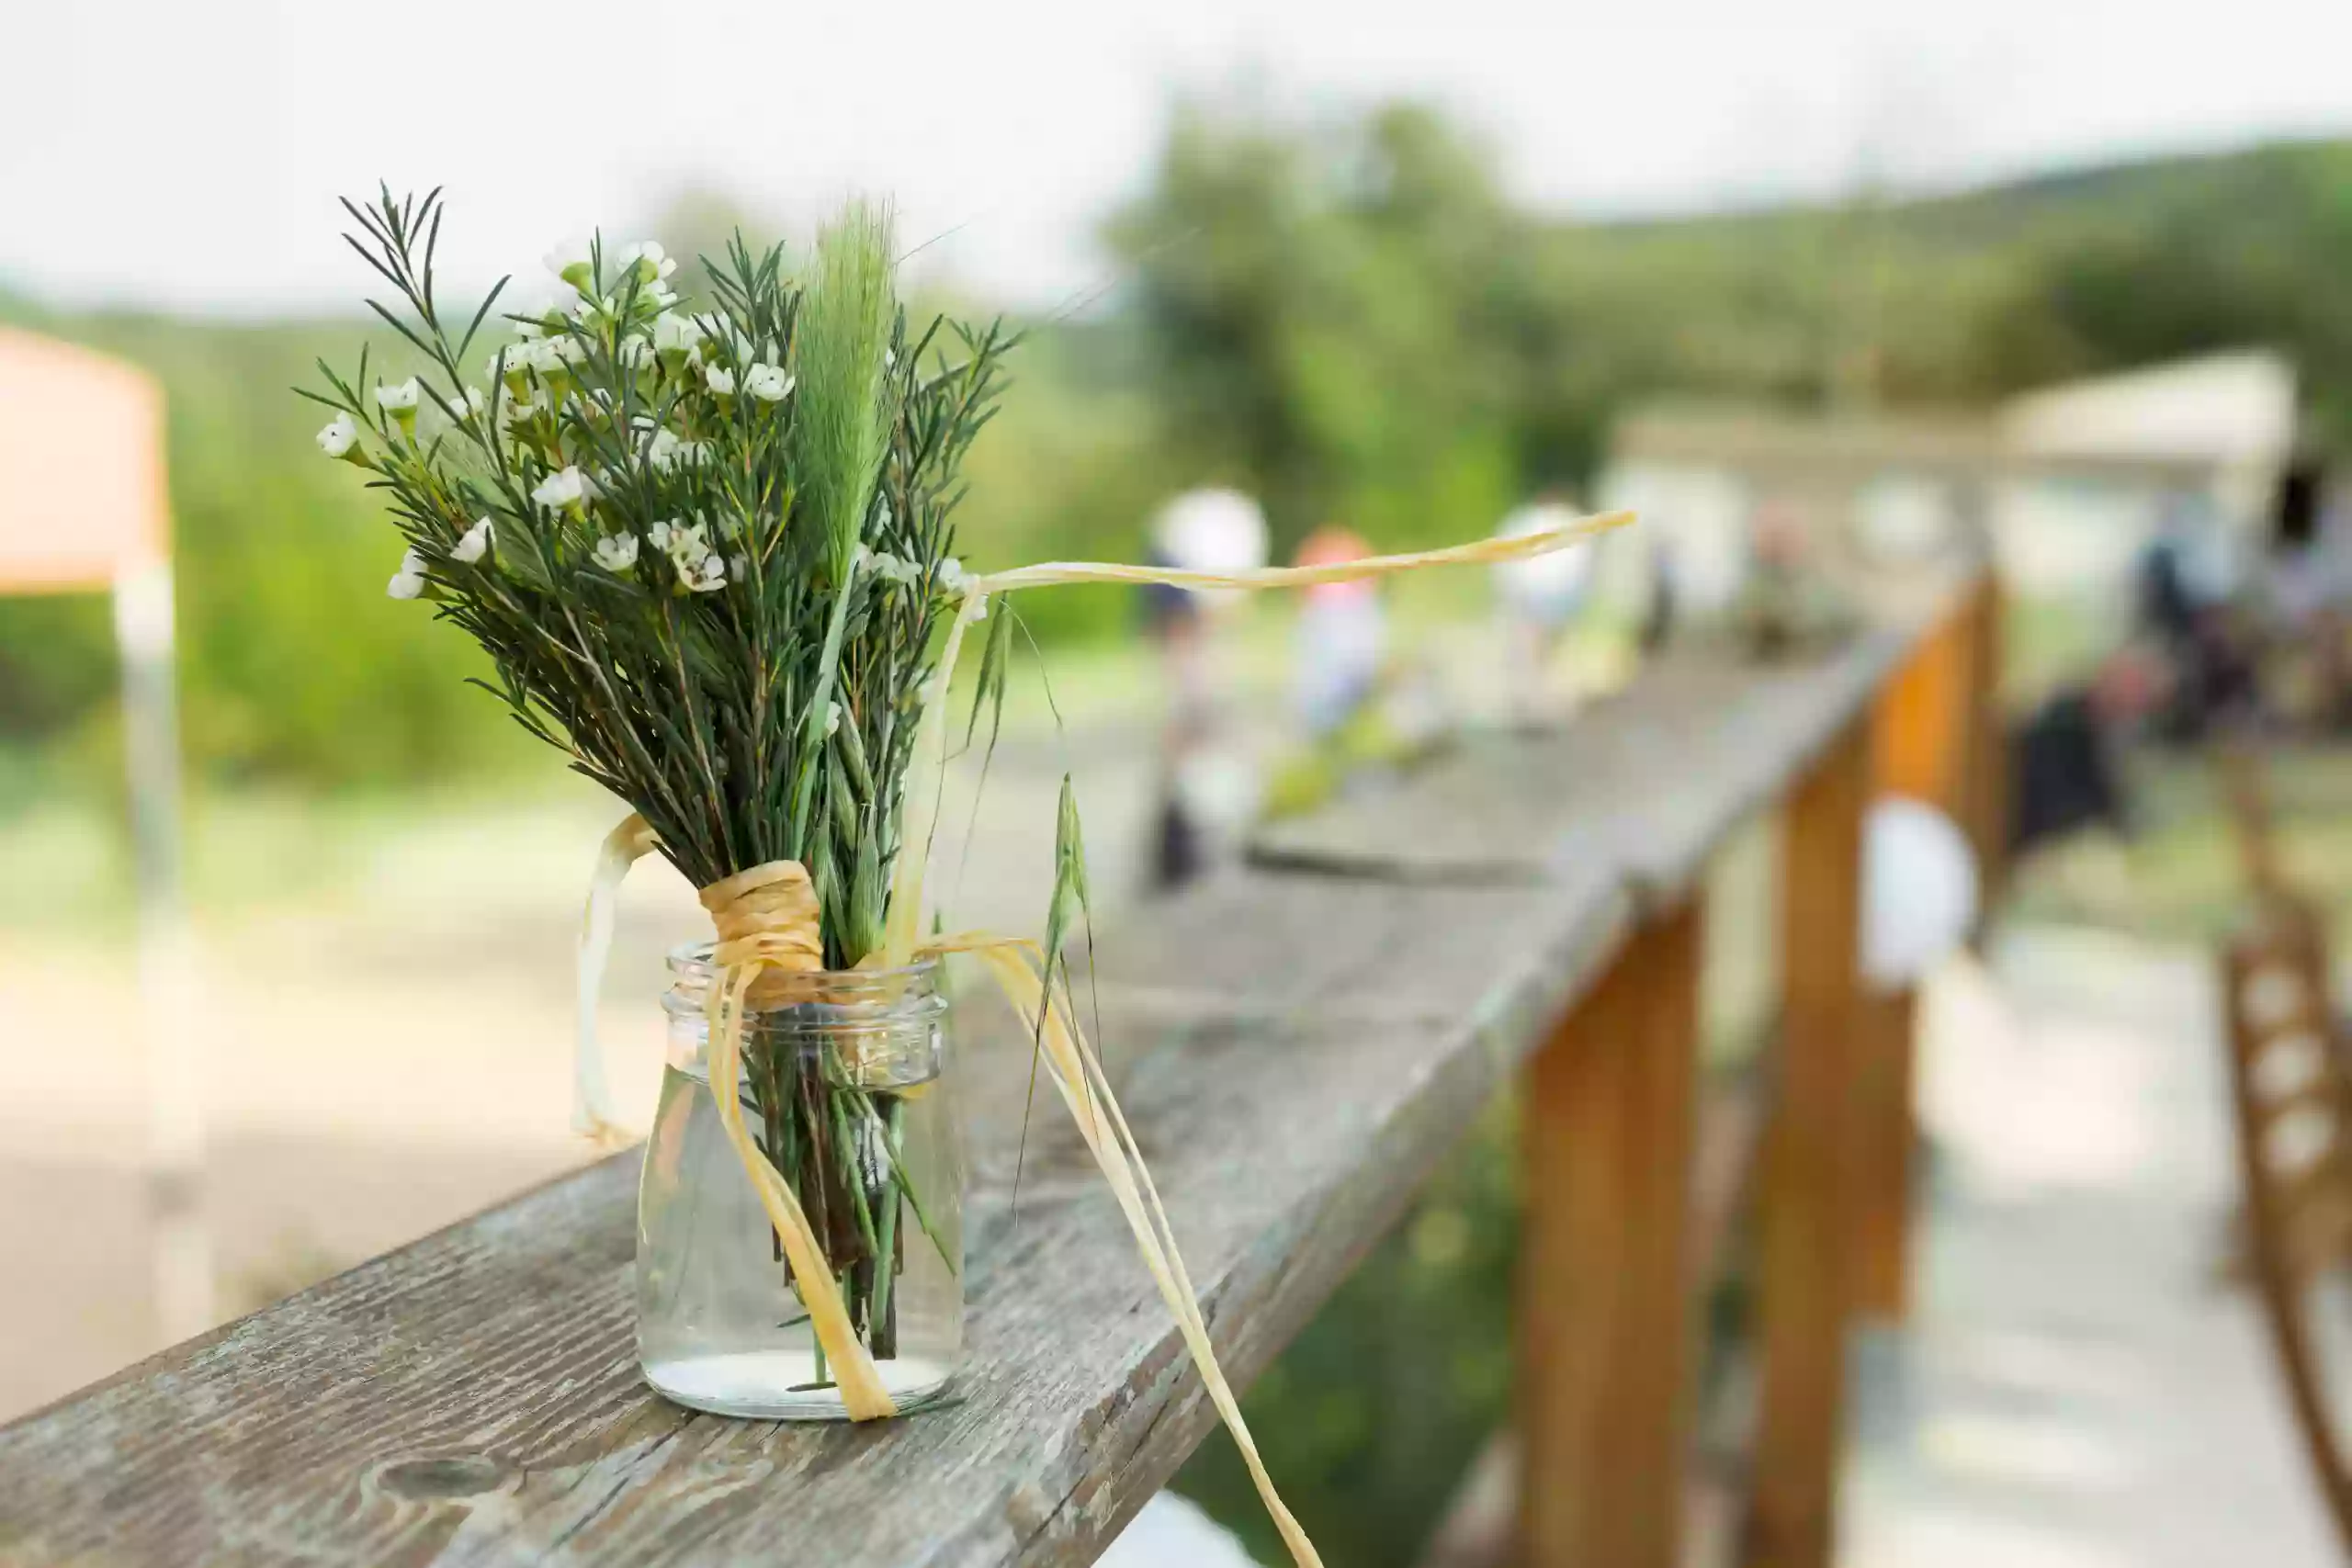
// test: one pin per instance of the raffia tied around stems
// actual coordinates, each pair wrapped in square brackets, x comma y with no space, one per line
[767,920]
[767,915]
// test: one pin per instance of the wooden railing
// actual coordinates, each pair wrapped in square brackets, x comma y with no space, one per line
[1298,1043]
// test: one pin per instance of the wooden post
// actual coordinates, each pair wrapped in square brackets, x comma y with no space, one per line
[1886,1136]
[1605,1319]
[1922,734]
[1988,749]
[1805,1287]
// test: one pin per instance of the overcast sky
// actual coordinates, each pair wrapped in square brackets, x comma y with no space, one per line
[186,155]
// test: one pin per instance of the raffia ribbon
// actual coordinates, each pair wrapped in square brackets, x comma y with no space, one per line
[767,919]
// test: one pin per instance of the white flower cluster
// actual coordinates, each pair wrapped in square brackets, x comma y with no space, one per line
[565,487]
[616,313]
[668,449]
[688,547]
[892,568]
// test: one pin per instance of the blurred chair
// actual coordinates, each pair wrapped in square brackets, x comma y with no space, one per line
[2291,1096]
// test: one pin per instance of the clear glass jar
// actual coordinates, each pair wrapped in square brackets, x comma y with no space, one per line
[846,1089]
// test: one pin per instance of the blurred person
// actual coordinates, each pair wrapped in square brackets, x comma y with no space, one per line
[2306,590]
[1662,605]
[2064,775]
[1341,628]
[2183,612]
[1210,530]
[1786,606]
[1541,600]
[1208,795]
[1200,776]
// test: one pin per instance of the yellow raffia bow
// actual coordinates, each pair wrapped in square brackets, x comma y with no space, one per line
[767,919]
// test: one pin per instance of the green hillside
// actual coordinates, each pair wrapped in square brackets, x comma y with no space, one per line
[1964,296]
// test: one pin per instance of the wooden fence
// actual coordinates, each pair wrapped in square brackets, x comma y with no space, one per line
[1298,1043]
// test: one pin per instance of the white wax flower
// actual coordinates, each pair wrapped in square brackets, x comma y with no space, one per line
[677,334]
[667,449]
[686,543]
[473,400]
[472,543]
[767,382]
[659,536]
[398,399]
[511,409]
[705,576]
[409,581]
[570,261]
[567,487]
[951,575]
[721,381]
[652,265]
[616,552]
[340,435]
[739,565]
[892,568]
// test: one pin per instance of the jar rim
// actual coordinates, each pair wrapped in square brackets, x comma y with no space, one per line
[691,963]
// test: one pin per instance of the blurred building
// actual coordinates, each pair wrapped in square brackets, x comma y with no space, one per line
[2064,487]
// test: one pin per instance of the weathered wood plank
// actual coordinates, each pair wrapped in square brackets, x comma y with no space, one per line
[1648,781]
[1295,1051]
[474,1399]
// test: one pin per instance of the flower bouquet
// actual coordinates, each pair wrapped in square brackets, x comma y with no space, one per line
[709,554]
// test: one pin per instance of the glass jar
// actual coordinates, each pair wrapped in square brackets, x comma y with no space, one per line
[845,1090]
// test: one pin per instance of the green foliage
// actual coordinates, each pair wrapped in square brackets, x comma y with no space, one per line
[293,664]
[1336,323]
[718,597]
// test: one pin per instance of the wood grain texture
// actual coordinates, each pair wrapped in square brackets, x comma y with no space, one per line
[1648,781]
[474,1399]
